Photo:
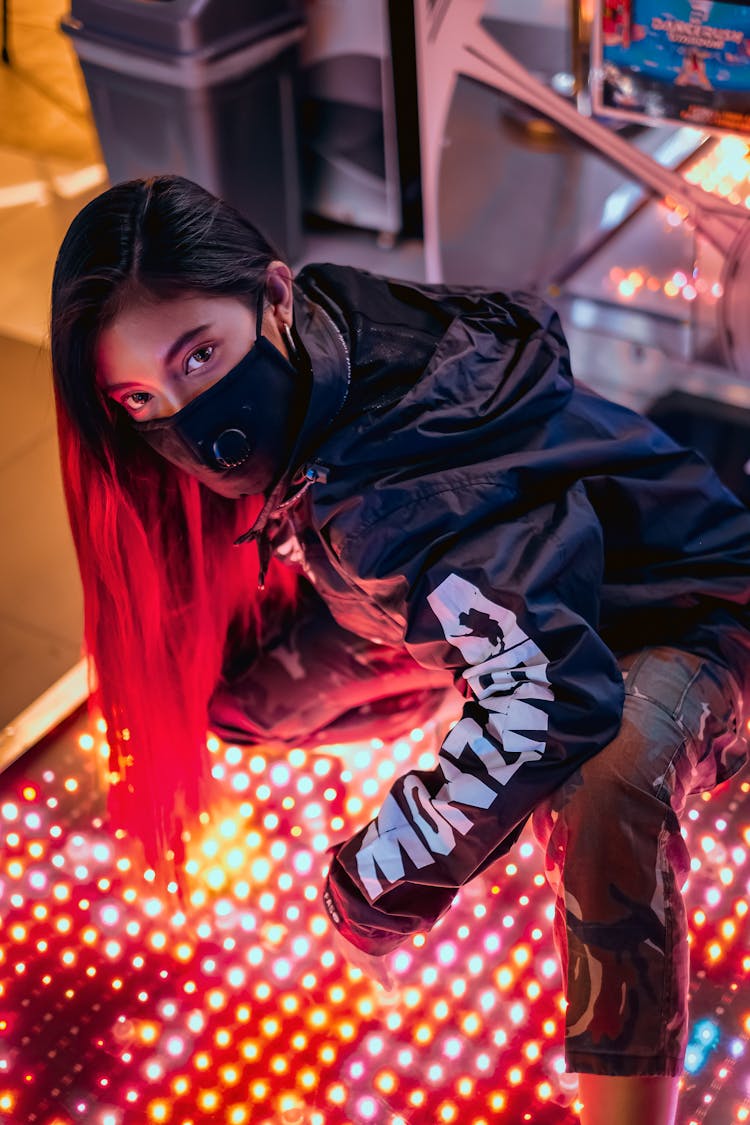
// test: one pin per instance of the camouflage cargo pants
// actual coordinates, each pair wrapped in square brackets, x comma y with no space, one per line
[617,862]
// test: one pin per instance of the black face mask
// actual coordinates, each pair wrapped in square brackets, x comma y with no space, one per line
[236,437]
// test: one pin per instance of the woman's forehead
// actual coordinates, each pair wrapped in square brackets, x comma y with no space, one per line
[144,332]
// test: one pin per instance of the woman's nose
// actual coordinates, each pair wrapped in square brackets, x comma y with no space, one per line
[174,399]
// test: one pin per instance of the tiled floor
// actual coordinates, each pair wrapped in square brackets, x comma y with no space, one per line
[46,139]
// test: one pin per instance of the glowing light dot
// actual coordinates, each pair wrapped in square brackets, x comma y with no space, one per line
[447,953]
[260,870]
[517,1013]
[337,1094]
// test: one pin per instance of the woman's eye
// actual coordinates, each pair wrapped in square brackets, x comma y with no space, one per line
[199,358]
[136,400]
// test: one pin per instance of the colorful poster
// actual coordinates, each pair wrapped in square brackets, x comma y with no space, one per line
[686,61]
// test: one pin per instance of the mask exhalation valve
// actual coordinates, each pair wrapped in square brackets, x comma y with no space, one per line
[231,448]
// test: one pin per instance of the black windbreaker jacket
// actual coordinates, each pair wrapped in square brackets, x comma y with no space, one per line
[464,500]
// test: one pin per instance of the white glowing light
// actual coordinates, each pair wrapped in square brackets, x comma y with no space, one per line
[303,862]
[367,1108]
[401,962]
[447,953]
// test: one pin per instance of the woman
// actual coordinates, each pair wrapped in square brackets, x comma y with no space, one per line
[422,455]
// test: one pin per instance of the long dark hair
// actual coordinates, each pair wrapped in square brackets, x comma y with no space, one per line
[163,584]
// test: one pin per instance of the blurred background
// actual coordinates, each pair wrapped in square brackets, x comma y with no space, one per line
[305,114]
[240,135]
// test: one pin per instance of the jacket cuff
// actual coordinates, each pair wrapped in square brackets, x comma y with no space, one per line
[357,921]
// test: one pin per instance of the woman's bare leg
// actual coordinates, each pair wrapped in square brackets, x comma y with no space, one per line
[618,1100]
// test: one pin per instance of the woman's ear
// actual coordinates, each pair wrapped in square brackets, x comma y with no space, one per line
[279,292]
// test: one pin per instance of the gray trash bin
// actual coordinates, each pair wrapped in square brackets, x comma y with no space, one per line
[201,88]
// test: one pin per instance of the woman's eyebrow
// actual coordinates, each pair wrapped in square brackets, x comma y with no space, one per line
[184,339]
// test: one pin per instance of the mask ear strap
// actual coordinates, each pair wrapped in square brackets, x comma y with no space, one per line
[259,313]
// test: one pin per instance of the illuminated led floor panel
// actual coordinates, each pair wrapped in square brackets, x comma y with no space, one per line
[119,1009]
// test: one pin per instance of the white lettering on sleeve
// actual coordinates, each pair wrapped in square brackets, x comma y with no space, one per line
[508,675]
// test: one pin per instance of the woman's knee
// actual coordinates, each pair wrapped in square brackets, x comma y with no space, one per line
[612,816]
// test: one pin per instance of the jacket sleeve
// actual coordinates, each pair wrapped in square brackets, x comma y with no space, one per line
[512,610]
